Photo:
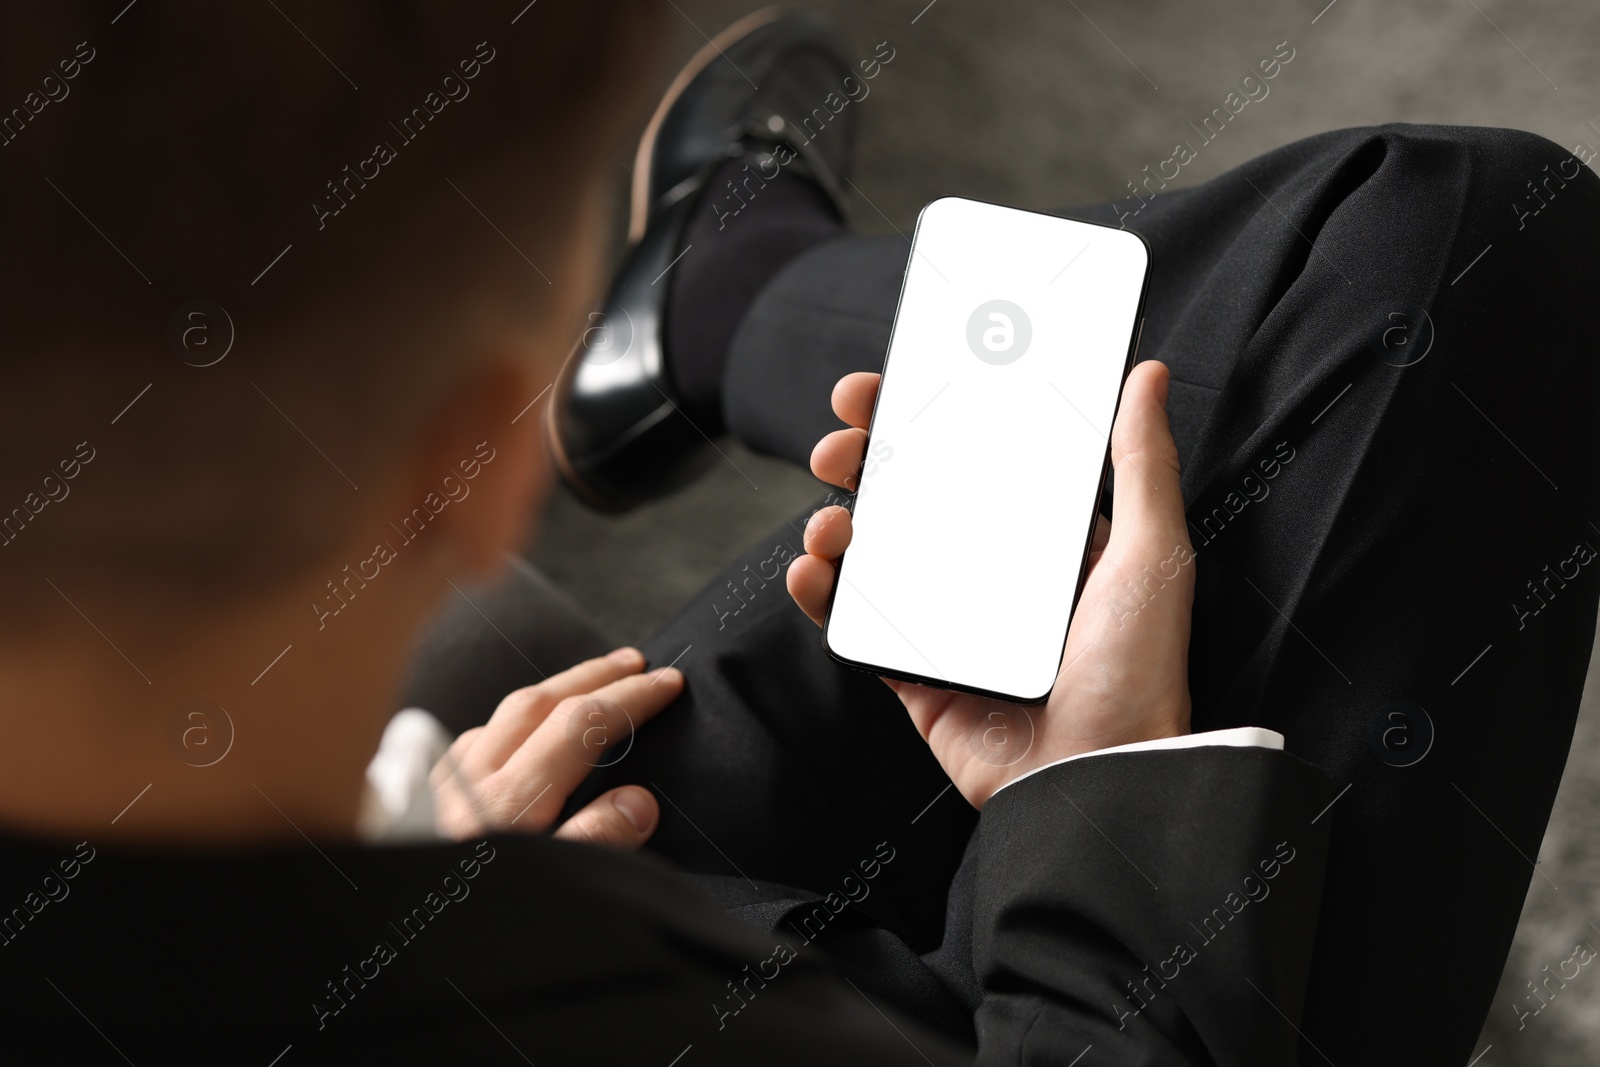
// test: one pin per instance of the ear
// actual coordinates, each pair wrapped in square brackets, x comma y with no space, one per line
[482,473]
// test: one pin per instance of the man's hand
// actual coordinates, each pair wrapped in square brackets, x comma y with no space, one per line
[516,771]
[1124,675]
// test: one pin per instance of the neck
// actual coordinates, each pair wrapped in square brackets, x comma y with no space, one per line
[254,727]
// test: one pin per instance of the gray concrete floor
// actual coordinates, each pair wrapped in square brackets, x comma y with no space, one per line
[1044,105]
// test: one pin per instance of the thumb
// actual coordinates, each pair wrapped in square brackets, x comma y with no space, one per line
[1147,507]
[623,819]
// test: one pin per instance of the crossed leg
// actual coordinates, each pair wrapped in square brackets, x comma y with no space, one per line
[1382,401]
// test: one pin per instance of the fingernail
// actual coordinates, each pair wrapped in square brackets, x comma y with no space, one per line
[626,654]
[671,675]
[634,808]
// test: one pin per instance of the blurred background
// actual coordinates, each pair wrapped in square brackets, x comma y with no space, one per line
[1043,105]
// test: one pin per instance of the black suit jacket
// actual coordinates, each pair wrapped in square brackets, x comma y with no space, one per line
[1151,908]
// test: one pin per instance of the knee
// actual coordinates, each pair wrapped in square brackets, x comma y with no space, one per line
[1506,178]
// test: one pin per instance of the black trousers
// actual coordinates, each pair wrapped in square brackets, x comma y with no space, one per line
[1383,396]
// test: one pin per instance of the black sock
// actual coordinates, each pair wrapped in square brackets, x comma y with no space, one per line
[741,234]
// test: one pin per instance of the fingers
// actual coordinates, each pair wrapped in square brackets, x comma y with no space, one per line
[827,533]
[623,819]
[810,578]
[837,458]
[521,712]
[445,767]
[853,397]
[593,673]
[1147,509]
[810,583]
[580,734]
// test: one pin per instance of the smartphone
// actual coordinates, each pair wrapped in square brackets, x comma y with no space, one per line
[988,448]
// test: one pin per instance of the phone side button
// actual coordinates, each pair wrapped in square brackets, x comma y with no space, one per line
[1137,338]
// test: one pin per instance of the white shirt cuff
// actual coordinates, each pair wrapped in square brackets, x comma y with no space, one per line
[1237,737]
[397,802]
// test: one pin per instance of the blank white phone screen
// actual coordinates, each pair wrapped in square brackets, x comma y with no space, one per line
[987,446]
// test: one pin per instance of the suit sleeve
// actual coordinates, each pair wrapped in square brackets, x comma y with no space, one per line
[1157,907]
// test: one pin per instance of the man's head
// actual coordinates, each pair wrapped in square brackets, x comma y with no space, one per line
[391,216]
[393,204]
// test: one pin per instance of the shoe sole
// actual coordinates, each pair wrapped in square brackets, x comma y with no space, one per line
[558,454]
[644,159]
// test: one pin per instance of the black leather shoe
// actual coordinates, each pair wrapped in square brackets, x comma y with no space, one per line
[616,425]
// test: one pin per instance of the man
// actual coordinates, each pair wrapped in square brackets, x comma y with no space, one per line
[262,547]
